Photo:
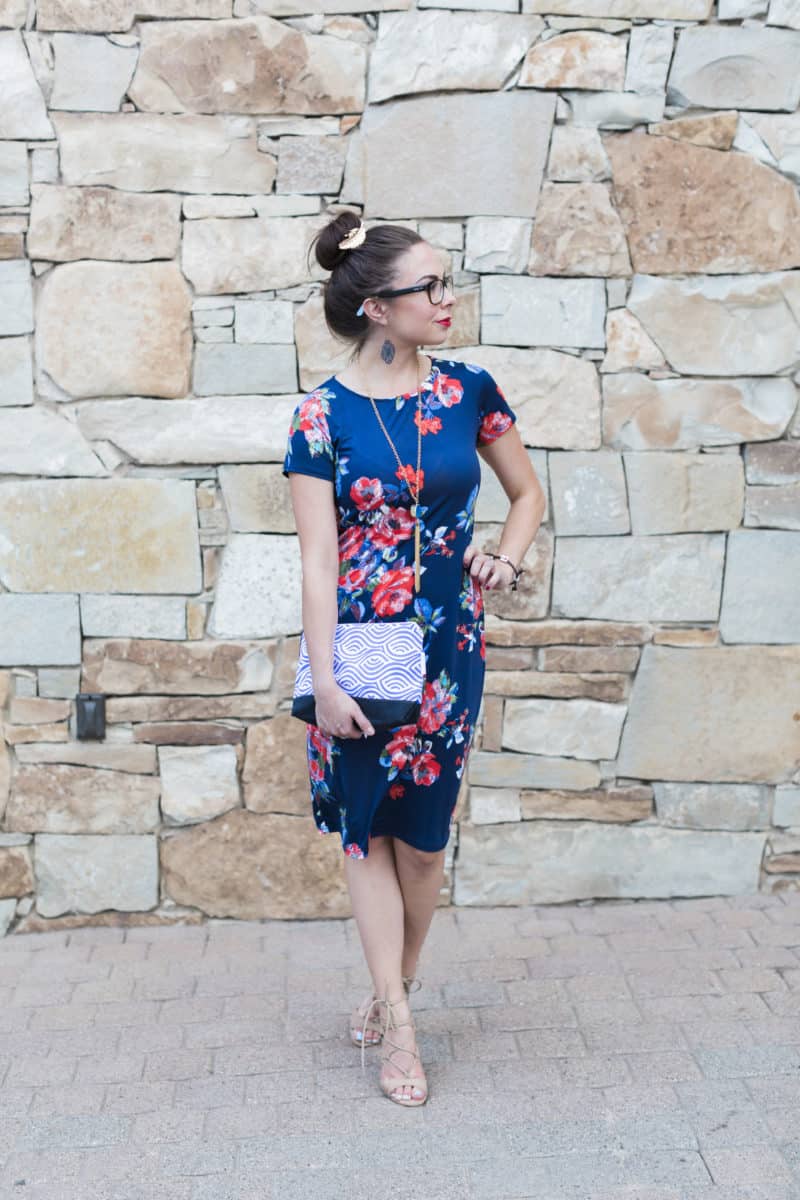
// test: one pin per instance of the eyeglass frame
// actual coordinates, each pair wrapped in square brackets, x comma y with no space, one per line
[386,293]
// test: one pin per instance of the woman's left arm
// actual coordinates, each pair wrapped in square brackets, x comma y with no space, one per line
[511,463]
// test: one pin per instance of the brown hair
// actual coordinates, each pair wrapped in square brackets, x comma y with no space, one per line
[357,273]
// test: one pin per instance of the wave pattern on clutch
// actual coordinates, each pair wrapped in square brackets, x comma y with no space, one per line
[372,660]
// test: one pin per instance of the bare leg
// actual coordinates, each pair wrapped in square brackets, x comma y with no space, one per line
[420,874]
[377,903]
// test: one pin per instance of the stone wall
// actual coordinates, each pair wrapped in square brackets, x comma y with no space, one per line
[616,185]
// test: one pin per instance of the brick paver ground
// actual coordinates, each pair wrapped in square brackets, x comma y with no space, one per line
[618,1050]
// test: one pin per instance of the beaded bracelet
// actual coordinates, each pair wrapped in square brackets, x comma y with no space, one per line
[517,570]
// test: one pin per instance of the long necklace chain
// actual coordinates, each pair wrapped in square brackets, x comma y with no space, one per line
[416,490]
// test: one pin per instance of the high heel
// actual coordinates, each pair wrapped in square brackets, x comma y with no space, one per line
[362,1025]
[405,1077]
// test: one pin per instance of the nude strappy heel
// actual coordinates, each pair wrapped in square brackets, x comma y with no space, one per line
[362,1026]
[405,1077]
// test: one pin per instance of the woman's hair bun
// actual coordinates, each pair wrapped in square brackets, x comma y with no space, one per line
[327,242]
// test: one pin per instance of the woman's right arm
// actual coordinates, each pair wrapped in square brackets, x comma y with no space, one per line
[337,713]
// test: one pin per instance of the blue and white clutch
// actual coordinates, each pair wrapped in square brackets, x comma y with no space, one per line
[381,664]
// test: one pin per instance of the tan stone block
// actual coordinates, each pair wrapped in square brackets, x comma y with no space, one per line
[556,396]
[706,325]
[16,871]
[189,733]
[189,707]
[683,636]
[492,731]
[275,775]
[269,68]
[286,669]
[18,734]
[117,756]
[196,614]
[576,633]
[612,687]
[256,865]
[611,659]
[12,246]
[67,223]
[615,804]
[731,213]
[257,498]
[714,130]
[731,711]
[508,658]
[33,710]
[143,310]
[576,154]
[628,346]
[772,462]
[33,923]
[576,60]
[578,232]
[125,665]
[59,798]
[118,535]
[148,152]
[249,254]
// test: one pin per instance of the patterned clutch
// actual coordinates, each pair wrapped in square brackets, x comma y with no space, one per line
[380,664]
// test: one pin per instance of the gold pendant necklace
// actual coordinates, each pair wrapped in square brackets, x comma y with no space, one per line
[416,490]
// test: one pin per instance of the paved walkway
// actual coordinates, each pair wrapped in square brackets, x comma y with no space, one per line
[618,1050]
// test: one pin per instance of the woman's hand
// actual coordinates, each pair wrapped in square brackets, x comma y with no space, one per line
[338,714]
[489,572]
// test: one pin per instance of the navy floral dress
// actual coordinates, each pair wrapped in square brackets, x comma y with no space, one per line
[403,782]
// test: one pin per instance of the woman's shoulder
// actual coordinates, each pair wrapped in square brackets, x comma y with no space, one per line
[467,370]
[462,376]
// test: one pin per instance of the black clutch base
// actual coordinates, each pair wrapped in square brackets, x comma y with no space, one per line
[383,714]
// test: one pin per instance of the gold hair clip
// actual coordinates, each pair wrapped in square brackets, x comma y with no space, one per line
[354,238]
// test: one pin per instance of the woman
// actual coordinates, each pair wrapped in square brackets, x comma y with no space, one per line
[393,427]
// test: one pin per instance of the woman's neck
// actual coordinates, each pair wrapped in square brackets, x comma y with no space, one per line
[372,375]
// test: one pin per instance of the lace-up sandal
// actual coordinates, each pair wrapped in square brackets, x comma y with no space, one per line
[366,1030]
[403,1077]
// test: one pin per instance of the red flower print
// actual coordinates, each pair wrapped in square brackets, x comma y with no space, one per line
[312,418]
[354,579]
[367,493]
[320,742]
[393,592]
[316,769]
[353,850]
[408,475]
[351,542]
[474,596]
[425,769]
[427,424]
[391,526]
[437,700]
[399,749]
[492,425]
[447,389]
[397,790]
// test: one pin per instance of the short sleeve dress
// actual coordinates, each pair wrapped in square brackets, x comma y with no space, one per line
[403,782]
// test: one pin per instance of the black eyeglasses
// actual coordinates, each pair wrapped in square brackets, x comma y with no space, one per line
[435,289]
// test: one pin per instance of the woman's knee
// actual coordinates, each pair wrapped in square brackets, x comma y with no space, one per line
[420,860]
